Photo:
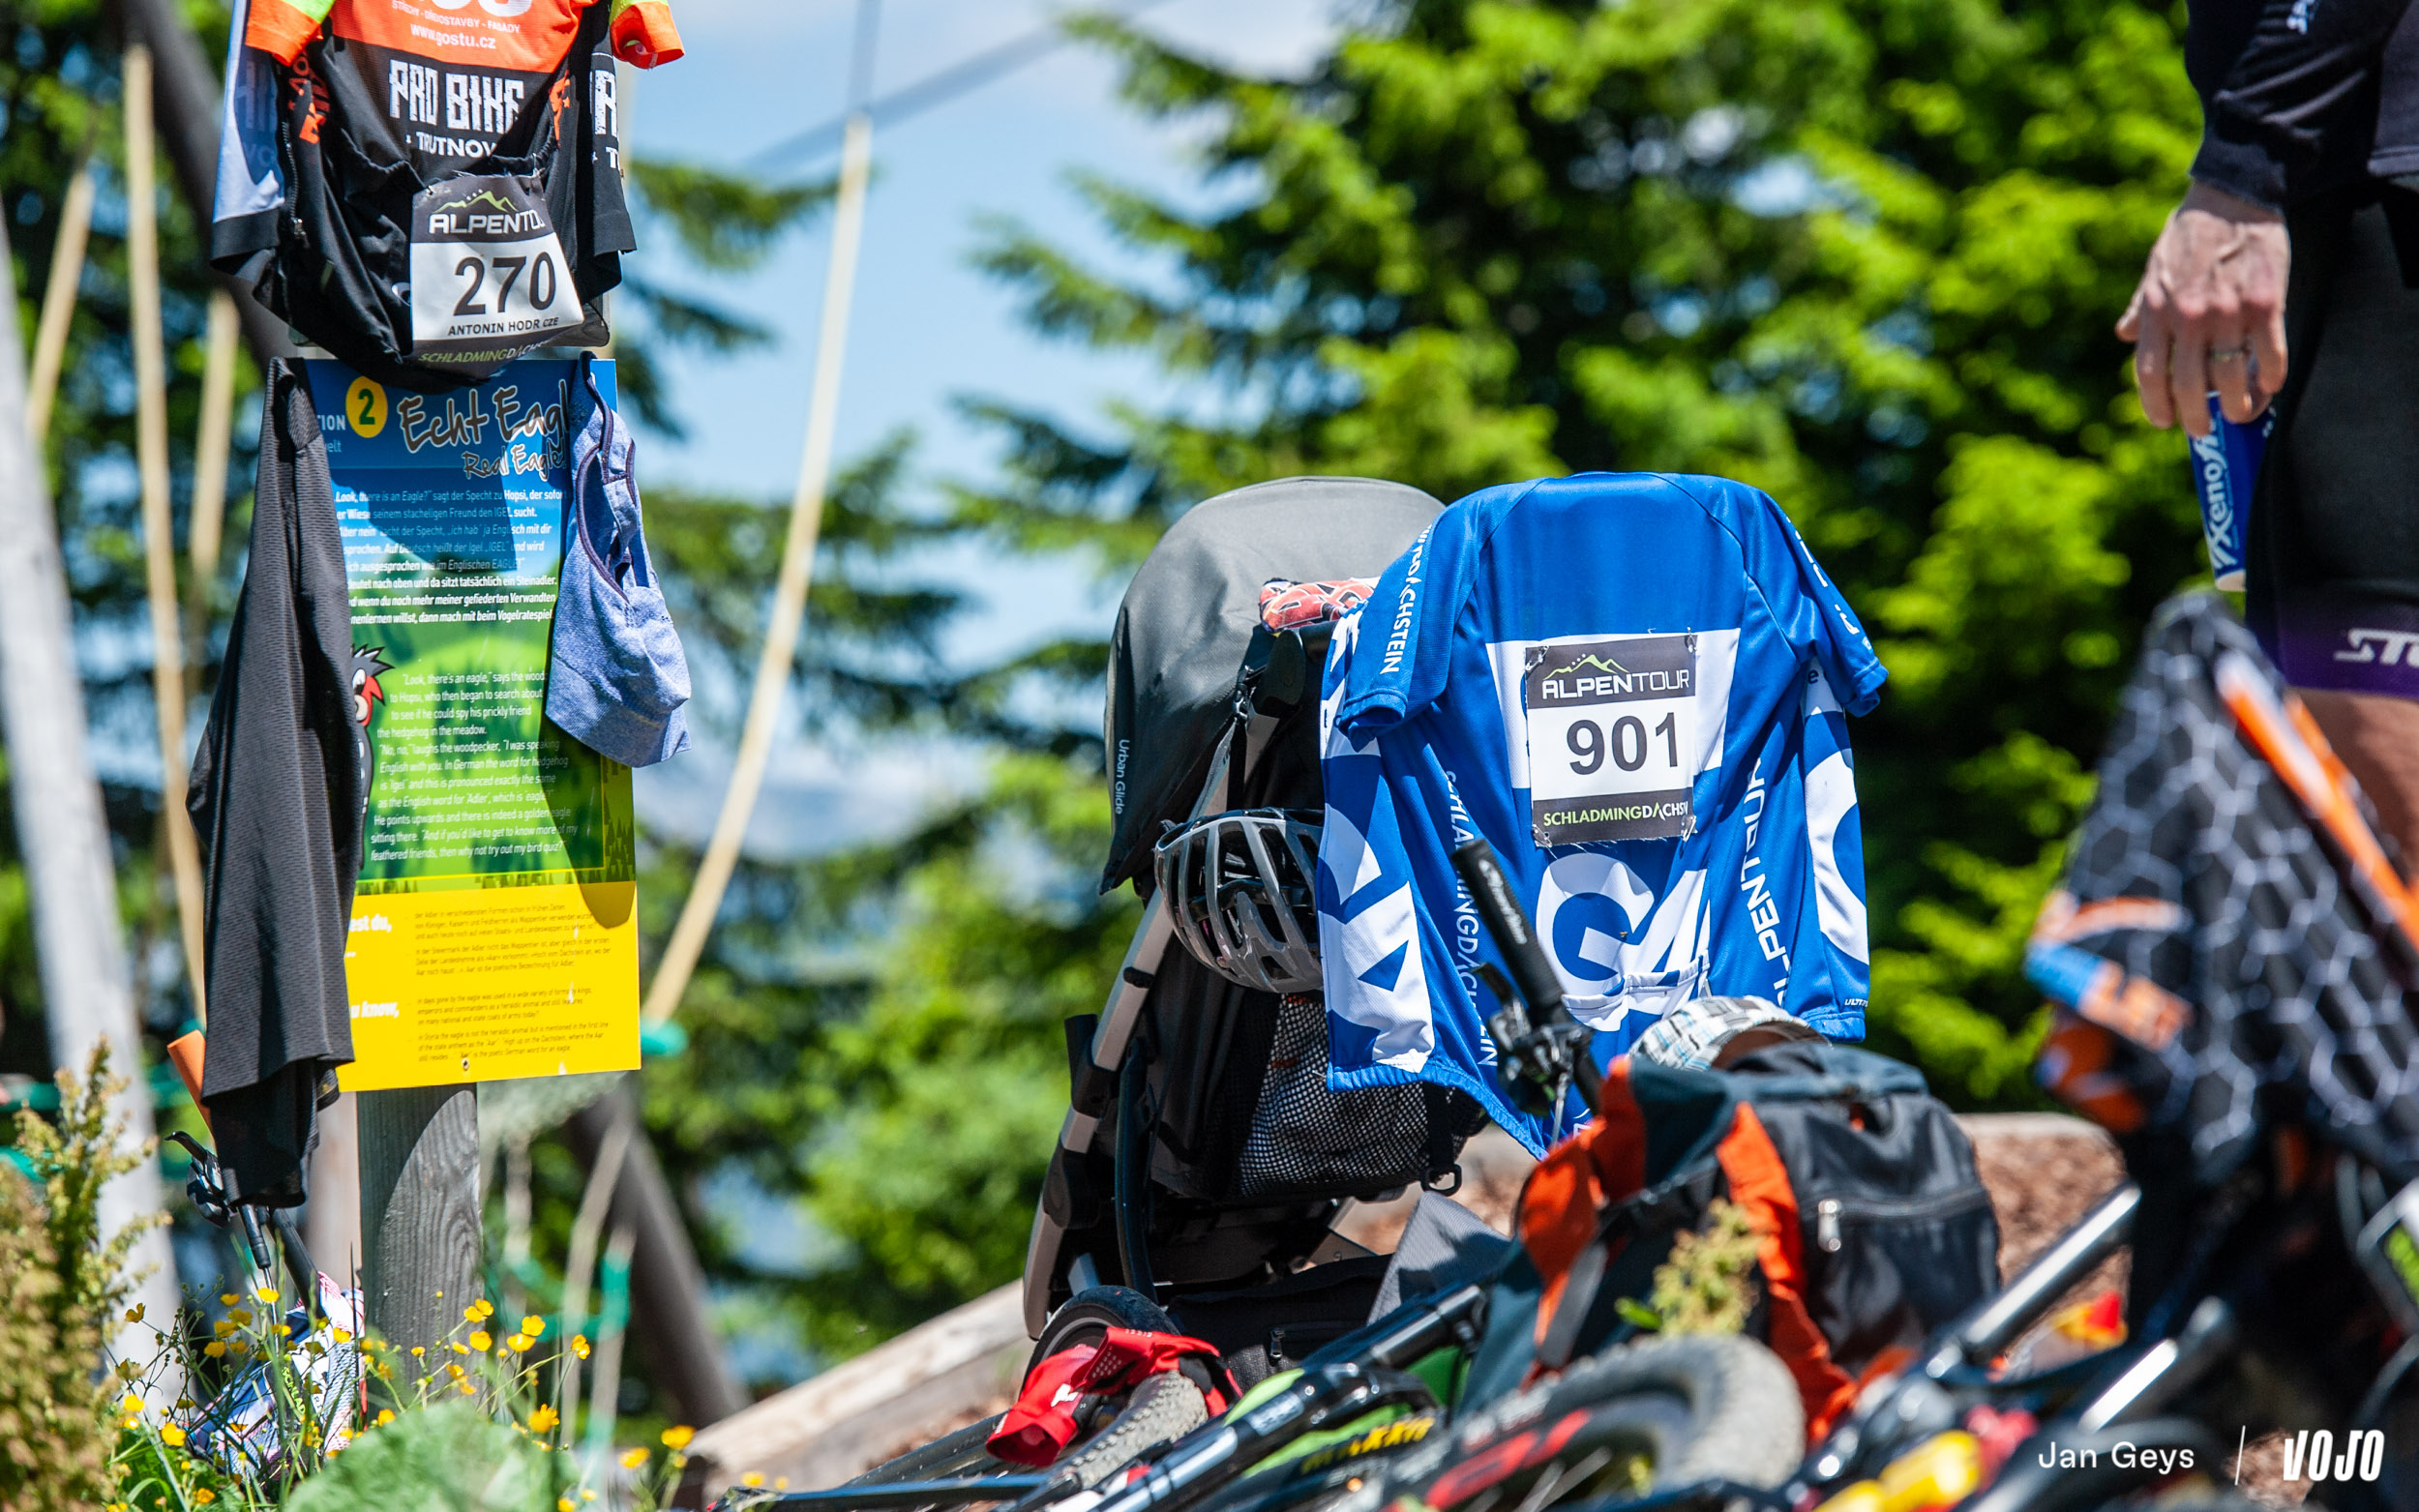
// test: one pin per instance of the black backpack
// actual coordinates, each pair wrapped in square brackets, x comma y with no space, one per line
[1875,1228]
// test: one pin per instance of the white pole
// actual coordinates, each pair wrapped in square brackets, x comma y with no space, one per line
[65,837]
[797,556]
[151,452]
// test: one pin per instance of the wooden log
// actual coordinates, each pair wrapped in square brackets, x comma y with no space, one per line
[961,1366]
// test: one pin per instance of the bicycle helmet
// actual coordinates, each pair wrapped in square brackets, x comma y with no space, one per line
[1242,891]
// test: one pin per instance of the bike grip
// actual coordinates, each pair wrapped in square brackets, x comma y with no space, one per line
[184,1054]
[1507,924]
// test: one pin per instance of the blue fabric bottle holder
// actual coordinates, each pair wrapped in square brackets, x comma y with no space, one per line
[617,679]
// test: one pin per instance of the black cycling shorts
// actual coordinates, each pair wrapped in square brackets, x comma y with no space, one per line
[2334,557]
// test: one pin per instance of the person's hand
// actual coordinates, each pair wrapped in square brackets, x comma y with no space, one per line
[2210,312]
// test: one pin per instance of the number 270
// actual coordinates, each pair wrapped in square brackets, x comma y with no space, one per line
[543,282]
[1628,742]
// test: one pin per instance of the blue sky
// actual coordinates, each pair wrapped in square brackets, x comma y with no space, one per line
[926,326]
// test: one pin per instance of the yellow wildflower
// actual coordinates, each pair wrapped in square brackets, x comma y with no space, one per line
[454,1371]
[241,1347]
[133,1406]
[204,1495]
[135,1314]
[223,1328]
[517,1343]
[461,1349]
[471,1314]
[172,1435]
[284,1332]
[264,1294]
[417,1352]
[215,1348]
[533,1325]
[242,1316]
[544,1418]
[679,1437]
[752,1478]
[482,1341]
[586,1495]
[340,1335]
[781,1483]
[484,1308]
[562,1504]
[633,1459]
[228,1299]
[386,1416]
[580,1345]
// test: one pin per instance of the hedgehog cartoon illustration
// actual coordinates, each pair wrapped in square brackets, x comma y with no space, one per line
[368,697]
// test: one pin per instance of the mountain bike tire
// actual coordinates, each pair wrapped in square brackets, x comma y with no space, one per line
[1087,1317]
[1644,1418]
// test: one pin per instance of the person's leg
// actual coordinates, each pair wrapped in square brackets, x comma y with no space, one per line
[2335,558]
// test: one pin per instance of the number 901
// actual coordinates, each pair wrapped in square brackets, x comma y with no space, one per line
[1628,742]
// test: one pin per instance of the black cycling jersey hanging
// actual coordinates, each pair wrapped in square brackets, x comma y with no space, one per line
[448,197]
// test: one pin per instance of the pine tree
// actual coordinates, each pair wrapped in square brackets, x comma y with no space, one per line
[1864,254]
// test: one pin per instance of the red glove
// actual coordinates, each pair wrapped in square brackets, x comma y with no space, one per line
[1048,1412]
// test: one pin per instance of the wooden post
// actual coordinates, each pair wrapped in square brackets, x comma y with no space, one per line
[186,91]
[58,303]
[150,449]
[419,1213]
[210,445]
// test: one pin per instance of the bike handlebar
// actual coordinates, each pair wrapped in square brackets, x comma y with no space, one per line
[1507,924]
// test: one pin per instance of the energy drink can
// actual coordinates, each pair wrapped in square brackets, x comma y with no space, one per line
[2225,464]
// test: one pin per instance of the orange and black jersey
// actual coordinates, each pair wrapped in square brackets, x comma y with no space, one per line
[361,108]
[450,77]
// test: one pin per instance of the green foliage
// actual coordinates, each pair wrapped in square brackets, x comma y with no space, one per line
[51,1445]
[450,1457]
[61,1283]
[1709,1283]
[1862,254]
[906,1088]
[724,225]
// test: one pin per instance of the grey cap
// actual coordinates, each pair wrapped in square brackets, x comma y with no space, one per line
[1695,1034]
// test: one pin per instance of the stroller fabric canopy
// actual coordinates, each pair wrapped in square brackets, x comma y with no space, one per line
[1187,621]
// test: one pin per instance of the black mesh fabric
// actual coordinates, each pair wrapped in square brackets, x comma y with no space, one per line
[1245,1114]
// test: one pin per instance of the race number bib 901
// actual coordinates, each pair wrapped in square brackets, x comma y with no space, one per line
[489,279]
[1613,743]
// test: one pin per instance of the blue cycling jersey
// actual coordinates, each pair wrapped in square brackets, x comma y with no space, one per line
[1634,686]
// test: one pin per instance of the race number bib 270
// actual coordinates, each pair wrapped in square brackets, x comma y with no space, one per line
[1613,743]
[489,279]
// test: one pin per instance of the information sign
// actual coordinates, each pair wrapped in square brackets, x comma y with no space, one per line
[494,928]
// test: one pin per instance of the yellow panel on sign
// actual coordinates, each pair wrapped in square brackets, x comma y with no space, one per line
[485,983]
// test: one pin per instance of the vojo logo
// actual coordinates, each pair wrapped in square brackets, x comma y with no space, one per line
[2217,501]
[2313,1456]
